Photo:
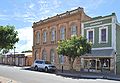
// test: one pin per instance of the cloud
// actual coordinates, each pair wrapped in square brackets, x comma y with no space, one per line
[73,8]
[94,3]
[35,10]
[90,5]
[56,3]
[42,1]
[3,17]
[26,39]
[32,14]
[31,5]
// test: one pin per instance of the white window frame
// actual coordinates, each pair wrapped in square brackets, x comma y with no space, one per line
[62,33]
[100,29]
[44,55]
[72,30]
[53,35]
[35,54]
[52,56]
[88,35]
[61,58]
[44,36]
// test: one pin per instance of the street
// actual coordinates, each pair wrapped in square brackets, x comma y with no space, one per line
[25,76]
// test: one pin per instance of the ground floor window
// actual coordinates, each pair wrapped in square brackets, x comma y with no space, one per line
[36,55]
[61,59]
[96,63]
[92,64]
[52,56]
[44,55]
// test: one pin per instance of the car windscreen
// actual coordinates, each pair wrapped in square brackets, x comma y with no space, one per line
[39,62]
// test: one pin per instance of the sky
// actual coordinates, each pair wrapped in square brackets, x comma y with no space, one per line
[22,14]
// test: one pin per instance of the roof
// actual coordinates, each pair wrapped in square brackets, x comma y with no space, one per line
[19,54]
[99,17]
[28,54]
[103,52]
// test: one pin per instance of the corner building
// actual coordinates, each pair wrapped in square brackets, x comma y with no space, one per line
[47,32]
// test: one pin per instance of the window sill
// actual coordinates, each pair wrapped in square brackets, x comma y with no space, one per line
[44,42]
[103,42]
[52,41]
[37,43]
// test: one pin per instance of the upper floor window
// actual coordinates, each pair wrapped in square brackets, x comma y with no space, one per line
[53,35]
[90,35]
[44,36]
[103,35]
[38,37]
[62,33]
[73,30]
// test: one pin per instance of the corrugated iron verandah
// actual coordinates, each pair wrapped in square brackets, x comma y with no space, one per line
[98,62]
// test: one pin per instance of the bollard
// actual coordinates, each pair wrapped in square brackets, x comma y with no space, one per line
[62,68]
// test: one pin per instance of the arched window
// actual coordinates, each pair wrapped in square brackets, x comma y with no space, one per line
[52,56]
[44,36]
[53,35]
[62,33]
[38,37]
[73,29]
[44,55]
[61,59]
[36,54]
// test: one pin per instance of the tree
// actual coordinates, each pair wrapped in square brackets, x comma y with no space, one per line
[73,47]
[26,51]
[8,37]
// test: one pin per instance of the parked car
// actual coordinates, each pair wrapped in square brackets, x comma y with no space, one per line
[43,65]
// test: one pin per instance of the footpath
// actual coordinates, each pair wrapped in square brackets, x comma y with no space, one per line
[72,74]
[88,75]
[85,75]
[6,80]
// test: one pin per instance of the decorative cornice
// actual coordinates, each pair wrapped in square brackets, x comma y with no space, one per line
[60,16]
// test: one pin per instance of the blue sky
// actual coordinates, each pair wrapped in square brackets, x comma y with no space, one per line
[22,13]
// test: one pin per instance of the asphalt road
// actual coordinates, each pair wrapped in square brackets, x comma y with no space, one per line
[26,76]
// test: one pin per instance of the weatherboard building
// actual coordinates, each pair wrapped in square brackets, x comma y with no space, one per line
[104,33]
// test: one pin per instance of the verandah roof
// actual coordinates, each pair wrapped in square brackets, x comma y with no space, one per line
[101,53]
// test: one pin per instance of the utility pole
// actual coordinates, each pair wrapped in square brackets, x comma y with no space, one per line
[14,55]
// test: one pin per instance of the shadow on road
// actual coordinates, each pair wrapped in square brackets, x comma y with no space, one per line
[32,69]
[80,75]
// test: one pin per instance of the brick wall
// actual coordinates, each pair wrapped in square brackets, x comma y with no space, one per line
[67,20]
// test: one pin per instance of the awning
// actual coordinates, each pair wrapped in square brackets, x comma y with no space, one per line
[104,52]
[101,53]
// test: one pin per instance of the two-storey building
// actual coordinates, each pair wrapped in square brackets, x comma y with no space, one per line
[104,34]
[47,32]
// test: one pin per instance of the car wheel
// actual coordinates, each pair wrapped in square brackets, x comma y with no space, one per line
[46,69]
[36,68]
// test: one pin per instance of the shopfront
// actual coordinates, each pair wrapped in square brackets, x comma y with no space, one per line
[94,63]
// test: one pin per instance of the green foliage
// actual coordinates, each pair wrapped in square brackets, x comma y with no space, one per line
[74,47]
[8,37]
[26,51]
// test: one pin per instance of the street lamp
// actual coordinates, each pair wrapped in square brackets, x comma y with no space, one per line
[14,55]
[115,62]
